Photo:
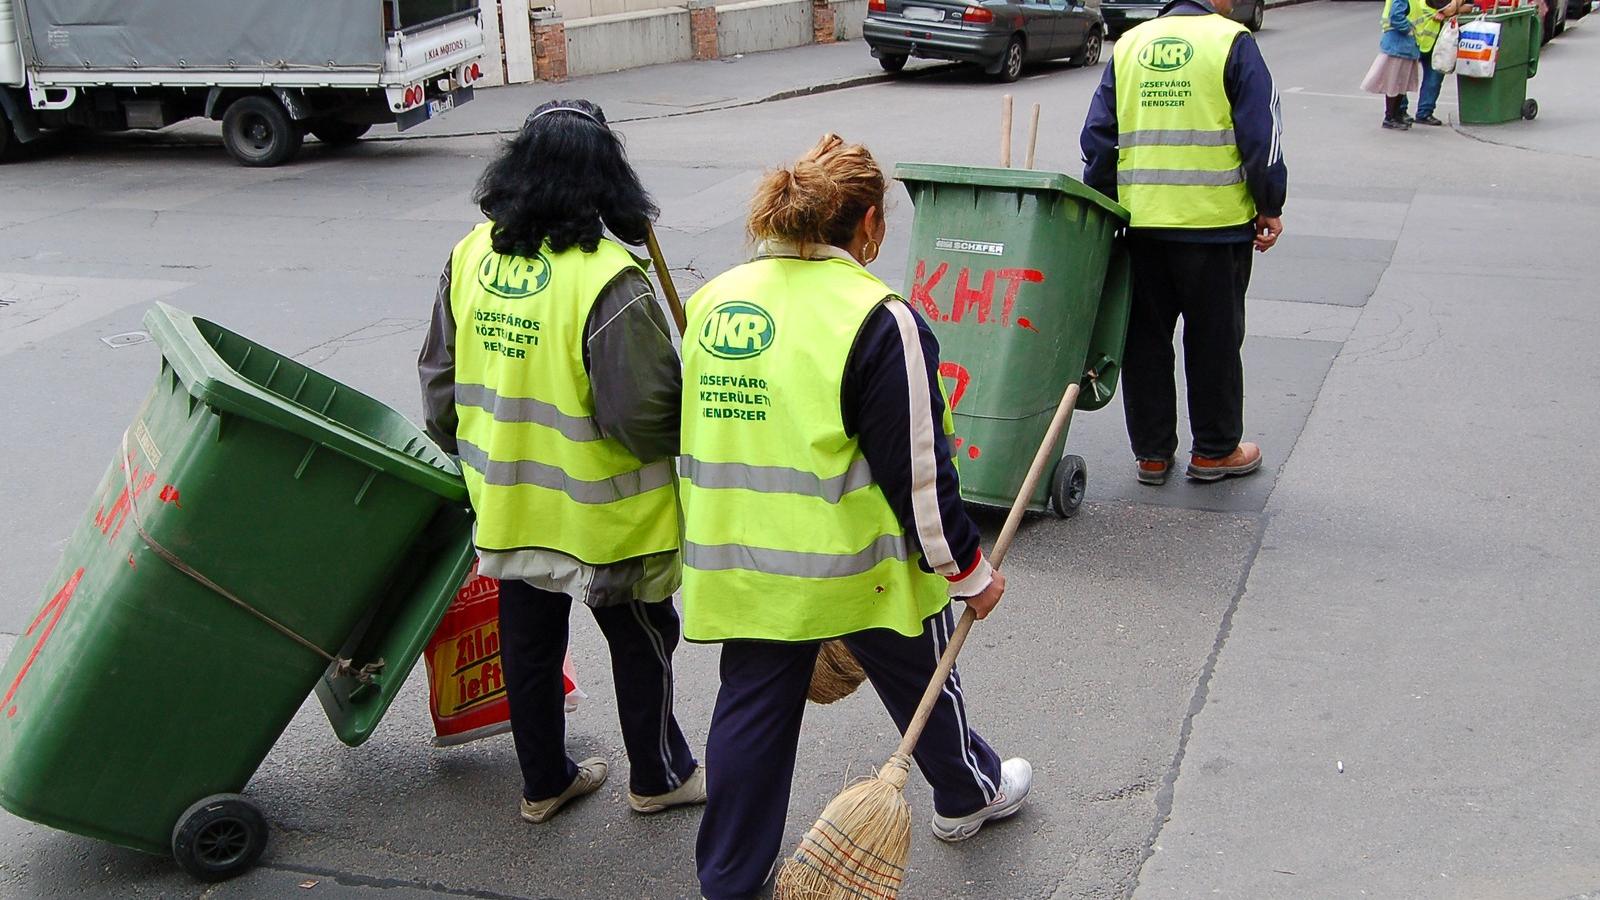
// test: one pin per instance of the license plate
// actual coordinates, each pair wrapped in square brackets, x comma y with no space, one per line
[441,106]
[1143,13]
[923,14]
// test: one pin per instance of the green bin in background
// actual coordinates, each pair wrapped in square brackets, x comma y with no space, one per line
[259,518]
[1504,97]
[1021,276]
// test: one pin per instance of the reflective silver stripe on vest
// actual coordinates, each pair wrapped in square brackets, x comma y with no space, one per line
[527,409]
[776,479]
[1176,137]
[795,563]
[526,471]
[1193,177]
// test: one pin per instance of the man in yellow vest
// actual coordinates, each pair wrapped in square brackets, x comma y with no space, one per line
[1427,23]
[547,371]
[1185,132]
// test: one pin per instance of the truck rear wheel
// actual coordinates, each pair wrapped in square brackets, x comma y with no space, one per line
[258,132]
[335,133]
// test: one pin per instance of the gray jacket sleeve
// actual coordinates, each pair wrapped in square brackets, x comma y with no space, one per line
[436,367]
[633,368]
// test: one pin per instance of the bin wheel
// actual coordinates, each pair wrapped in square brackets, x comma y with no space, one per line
[1530,108]
[220,837]
[1067,486]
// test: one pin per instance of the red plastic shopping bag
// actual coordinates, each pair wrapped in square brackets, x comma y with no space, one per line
[466,679]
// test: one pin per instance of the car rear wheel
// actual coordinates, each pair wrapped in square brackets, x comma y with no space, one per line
[1011,59]
[1092,45]
[892,62]
[1259,18]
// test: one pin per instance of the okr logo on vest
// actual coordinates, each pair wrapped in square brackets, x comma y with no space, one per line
[514,277]
[737,329]
[1166,54]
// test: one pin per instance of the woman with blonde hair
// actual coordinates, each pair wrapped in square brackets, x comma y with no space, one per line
[820,501]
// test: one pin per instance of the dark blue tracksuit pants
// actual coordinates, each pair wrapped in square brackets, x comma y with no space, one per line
[755,733]
[642,636]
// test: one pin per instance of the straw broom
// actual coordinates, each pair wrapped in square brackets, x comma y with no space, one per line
[860,845]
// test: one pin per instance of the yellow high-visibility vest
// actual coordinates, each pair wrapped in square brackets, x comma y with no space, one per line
[1178,165]
[786,535]
[538,469]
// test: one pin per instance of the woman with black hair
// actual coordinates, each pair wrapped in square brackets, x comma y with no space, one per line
[549,372]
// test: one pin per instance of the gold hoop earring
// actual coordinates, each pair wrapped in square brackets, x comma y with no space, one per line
[870,257]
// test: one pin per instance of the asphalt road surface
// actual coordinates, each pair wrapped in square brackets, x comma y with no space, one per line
[1367,671]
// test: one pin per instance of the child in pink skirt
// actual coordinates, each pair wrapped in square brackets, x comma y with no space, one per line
[1394,73]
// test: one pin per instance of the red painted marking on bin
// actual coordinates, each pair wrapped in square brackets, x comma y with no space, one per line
[131,563]
[54,610]
[922,288]
[169,494]
[963,379]
[11,713]
[965,297]
[110,521]
[1024,322]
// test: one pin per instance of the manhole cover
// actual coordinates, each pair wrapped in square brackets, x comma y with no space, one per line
[126,339]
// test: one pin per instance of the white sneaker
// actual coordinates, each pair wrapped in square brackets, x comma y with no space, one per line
[591,774]
[691,793]
[1016,777]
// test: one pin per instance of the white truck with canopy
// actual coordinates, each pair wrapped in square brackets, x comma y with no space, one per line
[271,71]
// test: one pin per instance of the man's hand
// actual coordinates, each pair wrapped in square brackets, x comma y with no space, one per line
[1268,229]
[984,603]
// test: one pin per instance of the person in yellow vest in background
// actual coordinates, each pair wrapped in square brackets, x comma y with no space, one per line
[820,500]
[1429,22]
[1185,131]
[548,371]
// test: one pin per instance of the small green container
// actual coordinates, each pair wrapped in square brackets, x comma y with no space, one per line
[1504,98]
[1023,281]
[140,700]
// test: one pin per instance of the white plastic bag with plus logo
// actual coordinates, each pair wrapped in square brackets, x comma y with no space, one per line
[1477,49]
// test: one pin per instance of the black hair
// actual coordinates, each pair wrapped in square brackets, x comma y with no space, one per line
[563,175]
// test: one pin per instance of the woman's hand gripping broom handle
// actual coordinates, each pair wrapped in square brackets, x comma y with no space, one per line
[1002,544]
[662,272]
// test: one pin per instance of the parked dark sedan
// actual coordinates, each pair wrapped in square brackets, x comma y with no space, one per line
[1000,36]
[1121,15]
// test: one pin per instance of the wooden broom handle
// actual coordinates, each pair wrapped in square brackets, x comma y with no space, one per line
[663,273]
[1069,401]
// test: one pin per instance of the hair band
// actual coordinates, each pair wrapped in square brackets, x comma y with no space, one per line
[571,109]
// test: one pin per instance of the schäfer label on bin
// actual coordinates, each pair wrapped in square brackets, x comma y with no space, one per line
[954,245]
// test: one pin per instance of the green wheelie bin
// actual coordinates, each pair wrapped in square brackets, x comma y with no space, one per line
[1504,97]
[263,531]
[1021,276]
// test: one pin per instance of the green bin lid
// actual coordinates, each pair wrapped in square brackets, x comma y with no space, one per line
[359,427]
[1009,179]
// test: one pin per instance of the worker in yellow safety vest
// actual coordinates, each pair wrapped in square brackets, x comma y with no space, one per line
[1185,132]
[548,371]
[821,501]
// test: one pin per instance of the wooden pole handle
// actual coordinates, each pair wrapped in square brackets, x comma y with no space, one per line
[665,275]
[947,661]
[1033,135]
[1005,131]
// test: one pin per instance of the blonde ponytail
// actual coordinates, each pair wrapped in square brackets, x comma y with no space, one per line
[820,198]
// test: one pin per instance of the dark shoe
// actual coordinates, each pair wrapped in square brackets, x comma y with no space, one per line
[1246,458]
[1154,471]
[1397,124]
[1427,120]
[1406,118]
